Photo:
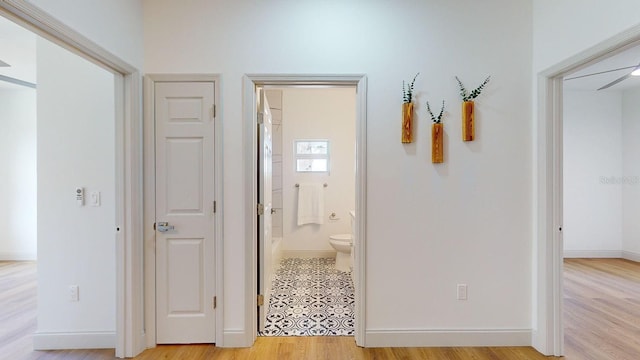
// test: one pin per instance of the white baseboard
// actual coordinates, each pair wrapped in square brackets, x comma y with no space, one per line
[80,340]
[234,339]
[630,255]
[427,338]
[18,256]
[592,253]
[276,251]
[305,254]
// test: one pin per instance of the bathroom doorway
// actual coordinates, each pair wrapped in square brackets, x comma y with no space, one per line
[312,170]
[313,133]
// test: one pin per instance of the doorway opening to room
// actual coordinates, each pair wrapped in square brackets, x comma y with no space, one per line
[600,197]
[58,150]
[18,183]
[308,231]
[306,191]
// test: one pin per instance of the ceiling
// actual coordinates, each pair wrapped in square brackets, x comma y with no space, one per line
[626,58]
[18,49]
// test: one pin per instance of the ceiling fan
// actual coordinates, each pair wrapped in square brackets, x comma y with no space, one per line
[634,71]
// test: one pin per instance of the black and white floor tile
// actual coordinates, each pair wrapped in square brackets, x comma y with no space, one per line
[310,298]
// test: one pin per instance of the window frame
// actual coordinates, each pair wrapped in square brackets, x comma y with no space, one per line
[297,156]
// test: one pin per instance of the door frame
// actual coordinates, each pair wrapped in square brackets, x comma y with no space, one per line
[128,165]
[548,327]
[249,113]
[150,201]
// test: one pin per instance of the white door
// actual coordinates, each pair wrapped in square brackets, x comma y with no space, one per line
[185,271]
[265,172]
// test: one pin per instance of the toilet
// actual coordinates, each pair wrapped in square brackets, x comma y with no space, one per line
[342,244]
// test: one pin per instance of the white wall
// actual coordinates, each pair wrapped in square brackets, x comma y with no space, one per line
[428,227]
[562,29]
[592,147]
[319,113]
[76,245]
[631,174]
[115,25]
[18,189]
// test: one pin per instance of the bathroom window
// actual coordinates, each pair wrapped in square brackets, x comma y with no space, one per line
[312,155]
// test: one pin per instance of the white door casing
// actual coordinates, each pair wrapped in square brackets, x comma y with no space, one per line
[185,256]
[265,177]
[250,82]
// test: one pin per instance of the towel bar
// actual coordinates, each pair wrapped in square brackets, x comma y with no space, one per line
[323,185]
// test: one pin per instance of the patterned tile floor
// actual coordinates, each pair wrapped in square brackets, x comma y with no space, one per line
[310,298]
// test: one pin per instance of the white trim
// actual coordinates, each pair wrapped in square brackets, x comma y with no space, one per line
[276,251]
[307,254]
[360,225]
[247,336]
[150,205]
[422,338]
[74,340]
[149,211]
[234,338]
[631,255]
[249,83]
[548,335]
[592,254]
[18,256]
[130,333]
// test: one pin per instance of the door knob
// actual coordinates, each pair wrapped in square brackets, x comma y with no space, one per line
[273,211]
[164,227]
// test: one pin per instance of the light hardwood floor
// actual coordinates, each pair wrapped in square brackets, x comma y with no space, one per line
[602,309]
[602,321]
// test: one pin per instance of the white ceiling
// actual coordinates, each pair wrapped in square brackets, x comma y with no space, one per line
[18,49]
[626,58]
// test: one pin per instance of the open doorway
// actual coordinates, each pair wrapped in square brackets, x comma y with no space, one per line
[550,337]
[18,186]
[128,336]
[601,195]
[251,84]
[60,161]
[306,185]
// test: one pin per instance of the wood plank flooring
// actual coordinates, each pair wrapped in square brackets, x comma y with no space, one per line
[602,309]
[602,321]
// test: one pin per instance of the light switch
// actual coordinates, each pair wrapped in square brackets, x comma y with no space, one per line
[94,198]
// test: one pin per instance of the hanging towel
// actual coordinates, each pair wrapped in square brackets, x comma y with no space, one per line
[310,204]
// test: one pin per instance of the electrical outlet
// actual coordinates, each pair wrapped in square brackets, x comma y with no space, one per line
[462,291]
[74,293]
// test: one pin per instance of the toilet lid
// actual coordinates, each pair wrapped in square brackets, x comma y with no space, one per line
[341,237]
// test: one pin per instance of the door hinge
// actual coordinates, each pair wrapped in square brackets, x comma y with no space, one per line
[215,302]
[260,209]
[260,300]
[213,111]
[260,118]
[214,207]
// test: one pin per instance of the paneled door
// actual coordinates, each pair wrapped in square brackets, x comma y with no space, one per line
[185,268]
[265,175]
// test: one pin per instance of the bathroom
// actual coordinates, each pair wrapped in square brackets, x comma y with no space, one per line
[313,142]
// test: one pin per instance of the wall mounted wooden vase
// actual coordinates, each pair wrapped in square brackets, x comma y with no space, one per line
[437,149]
[407,122]
[468,123]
